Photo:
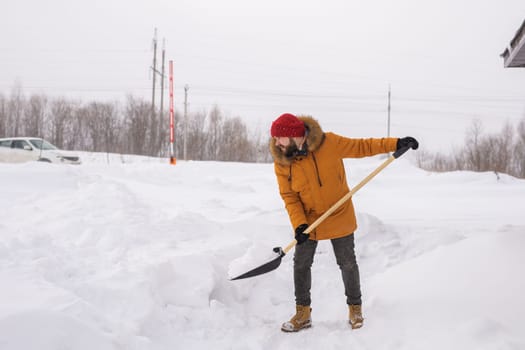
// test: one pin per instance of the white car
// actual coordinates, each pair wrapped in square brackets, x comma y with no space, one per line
[25,149]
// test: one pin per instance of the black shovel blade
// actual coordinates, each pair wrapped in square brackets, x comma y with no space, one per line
[269,266]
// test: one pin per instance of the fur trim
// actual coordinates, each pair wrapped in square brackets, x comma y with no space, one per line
[314,139]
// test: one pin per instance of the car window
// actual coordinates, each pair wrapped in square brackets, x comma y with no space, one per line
[20,144]
[42,144]
[5,143]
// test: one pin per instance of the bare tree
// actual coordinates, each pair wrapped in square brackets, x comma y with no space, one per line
[458,160]
[112,126]
[196,143]
[153,134]
[101,122]
[137,124]
[80,129]
[215,134]
[518,151]
[472,146]
[15,110]
[61,112]
[34,116]
[163,135]
[3,116]
[501,150]
[236,145]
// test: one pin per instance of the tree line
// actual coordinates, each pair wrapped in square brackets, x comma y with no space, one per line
[131,127]
[502,152]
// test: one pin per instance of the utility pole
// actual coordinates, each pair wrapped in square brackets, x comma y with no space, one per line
[186,87]
[154,68]
[157,125]
[161,118]
[162,78]
[173,161]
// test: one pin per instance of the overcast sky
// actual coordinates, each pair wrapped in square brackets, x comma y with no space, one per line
[333,59]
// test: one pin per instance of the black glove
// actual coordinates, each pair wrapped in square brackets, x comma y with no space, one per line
[301,237]
[407,142]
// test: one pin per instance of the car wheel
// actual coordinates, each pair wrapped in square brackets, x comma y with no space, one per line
[44,160]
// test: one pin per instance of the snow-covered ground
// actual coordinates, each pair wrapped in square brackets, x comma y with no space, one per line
[134,253]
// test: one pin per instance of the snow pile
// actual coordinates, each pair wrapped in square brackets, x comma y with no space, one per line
[133,253]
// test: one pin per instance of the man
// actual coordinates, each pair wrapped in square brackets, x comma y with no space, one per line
[311,177]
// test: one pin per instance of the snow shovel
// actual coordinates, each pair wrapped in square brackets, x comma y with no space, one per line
[274,264]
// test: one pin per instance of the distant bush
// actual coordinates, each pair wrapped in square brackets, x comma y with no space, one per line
[503,152]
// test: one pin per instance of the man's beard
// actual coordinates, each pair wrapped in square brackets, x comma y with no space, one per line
[291,150]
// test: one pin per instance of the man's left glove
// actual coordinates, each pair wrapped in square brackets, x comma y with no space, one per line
[301,237]
[407,142]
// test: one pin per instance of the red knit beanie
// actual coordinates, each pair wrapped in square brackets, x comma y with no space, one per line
[287,125]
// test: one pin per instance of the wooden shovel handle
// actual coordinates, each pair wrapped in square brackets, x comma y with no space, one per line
[345,198]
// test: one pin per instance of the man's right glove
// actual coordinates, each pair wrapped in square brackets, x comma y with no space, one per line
[301,237]
[407,142]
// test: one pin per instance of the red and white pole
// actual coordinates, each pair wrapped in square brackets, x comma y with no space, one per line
[173,161]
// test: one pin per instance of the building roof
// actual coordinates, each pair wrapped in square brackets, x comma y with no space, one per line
[514,54]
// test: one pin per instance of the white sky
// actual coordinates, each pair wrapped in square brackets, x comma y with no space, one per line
[331,59]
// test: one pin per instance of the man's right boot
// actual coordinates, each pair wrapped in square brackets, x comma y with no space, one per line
[355,316]
[301,320]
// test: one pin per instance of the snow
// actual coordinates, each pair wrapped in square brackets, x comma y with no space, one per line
[127,252]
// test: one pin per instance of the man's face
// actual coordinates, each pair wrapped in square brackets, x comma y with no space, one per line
[282,142]
[287,145]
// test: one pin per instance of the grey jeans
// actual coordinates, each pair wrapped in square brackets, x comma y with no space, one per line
[345,257]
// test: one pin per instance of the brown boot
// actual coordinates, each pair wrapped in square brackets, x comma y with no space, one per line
[355,316]
[301,320]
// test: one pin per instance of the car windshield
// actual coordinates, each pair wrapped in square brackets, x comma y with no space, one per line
[42,144]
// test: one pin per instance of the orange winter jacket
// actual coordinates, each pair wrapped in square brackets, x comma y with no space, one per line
[311,184]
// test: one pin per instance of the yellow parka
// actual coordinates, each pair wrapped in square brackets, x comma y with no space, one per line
[311,184]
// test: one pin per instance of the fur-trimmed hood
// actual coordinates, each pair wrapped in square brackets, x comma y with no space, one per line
[314,138]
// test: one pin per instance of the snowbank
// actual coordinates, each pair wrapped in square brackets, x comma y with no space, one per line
[139,255]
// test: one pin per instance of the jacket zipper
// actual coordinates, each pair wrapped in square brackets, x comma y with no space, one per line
[317,171]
